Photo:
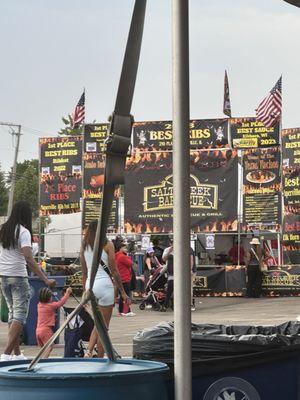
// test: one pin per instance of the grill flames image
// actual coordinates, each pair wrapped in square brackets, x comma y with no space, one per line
[152,158]
[148,227]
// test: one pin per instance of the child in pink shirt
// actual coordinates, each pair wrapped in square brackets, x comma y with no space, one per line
[46,316]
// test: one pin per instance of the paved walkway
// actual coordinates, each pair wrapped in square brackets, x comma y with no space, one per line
[264,311]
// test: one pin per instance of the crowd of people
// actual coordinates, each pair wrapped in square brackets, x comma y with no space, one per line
[114,281]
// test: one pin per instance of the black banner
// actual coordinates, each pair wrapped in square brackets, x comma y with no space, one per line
[158,135]
[91,209]
[209,281]
[93,176]
[291,193]
[282,281]
[220,281]
[231,281]
[247,133]
[60,174]
[291,218]
[262,188]
[149,192]
[291,147]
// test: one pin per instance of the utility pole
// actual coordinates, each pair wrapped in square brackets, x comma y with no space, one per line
[14,170]
[181,209]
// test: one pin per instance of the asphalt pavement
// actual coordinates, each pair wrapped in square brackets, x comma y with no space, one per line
[218,310]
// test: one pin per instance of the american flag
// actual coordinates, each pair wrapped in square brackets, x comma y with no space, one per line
[269,110]
[79,112]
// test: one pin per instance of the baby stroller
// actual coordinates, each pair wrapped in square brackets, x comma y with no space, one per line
[155,289]
[77,332]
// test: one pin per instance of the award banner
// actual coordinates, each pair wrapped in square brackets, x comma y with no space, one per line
[291,218]
[93,176]
[158,135]
[291,188]
[291,147]
[291,194]
[262,188]
[291,229]
[93,160]
[247,133]
[149,192]
[60,174]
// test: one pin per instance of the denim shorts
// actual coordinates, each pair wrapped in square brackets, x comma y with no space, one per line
[16,292]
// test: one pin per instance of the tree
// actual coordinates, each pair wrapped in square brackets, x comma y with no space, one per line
[3,195]
[68,130]
[22,167]
[27,183]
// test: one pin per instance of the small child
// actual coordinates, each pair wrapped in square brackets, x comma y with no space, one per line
[46,316]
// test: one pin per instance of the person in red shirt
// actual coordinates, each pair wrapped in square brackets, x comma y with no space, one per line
[46,316]
[124,264]
[233,254]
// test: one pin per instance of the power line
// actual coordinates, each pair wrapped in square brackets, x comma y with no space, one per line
[27,129]
[36,132]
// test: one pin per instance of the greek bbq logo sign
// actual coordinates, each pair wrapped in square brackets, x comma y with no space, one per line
[213,192]
[160,197]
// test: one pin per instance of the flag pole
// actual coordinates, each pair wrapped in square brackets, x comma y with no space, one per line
[280,251]
[181,209]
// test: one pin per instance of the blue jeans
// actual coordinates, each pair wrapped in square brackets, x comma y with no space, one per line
[16,292]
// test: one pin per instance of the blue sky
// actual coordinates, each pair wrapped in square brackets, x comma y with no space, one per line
[50,50]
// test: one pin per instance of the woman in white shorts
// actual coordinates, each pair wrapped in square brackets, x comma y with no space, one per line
[103,287]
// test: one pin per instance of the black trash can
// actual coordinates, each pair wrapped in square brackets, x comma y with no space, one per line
[232,362]
[36,284]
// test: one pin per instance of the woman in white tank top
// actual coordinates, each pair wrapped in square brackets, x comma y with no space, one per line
[103,287]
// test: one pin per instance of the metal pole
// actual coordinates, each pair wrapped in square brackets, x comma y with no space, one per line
[14,171]
[240,206]
[279,256]
[63,245]
[181,210]
[239,241]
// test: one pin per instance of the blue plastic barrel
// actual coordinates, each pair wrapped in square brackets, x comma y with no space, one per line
[277,380]
[84,379]
[36,284]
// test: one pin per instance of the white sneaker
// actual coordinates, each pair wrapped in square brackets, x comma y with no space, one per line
[149,306]
[19,357]
[129,314]
[5,357]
